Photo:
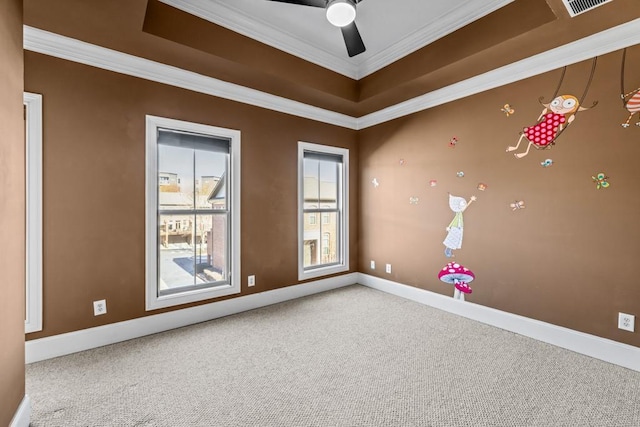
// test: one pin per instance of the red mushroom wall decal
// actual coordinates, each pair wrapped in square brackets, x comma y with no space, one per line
[458,276]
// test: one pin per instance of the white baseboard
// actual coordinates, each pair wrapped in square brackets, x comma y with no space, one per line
[22,416]
[590,345]
[72,342]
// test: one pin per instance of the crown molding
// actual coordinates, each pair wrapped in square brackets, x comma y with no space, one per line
[433,30]
[607,41]
[58,46]
[261,30]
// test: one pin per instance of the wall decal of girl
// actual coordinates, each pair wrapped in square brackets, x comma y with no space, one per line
[630,100]
[555,117]
[455,229]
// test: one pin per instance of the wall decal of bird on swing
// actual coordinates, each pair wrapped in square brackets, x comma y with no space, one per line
[554,118]
[630,100]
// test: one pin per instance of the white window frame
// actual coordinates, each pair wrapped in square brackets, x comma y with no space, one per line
[33,153]
[343,205]
[153,301]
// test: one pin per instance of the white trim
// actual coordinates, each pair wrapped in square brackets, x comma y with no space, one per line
[344,214]
[33,187]
[597,44]
[153,301]
[58,46]
[47,43]
[22,417]
[72,342]
[599,348]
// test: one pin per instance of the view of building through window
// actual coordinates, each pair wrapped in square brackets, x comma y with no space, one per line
[192,211]
[321,191]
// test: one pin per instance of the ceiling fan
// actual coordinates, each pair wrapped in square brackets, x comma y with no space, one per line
[341,13]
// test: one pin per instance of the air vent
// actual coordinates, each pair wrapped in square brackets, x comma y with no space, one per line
[576,7]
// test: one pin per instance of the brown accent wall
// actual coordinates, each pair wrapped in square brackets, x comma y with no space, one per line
[567,258]
[12,211]
[94,194]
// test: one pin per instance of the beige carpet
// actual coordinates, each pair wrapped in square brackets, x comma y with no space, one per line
[349,357]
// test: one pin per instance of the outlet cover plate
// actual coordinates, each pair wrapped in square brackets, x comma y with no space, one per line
[251,280]
[626,322]
[373,265]
[99,307]
[388,268]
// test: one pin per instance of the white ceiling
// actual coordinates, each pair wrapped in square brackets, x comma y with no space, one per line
[390,29]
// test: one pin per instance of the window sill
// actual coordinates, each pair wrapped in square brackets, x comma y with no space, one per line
[322,271]
[154,302]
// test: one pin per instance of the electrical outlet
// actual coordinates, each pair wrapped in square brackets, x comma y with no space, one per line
[99,307]
[373,265]
[626,322]
[251,281]
[388,268]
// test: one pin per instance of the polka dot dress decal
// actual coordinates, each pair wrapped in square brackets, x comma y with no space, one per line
[554,118]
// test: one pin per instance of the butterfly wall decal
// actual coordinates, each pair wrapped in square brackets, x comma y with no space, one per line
[507,110]
[518,204]
[546,163]
[375,182]
[453,141]
[413,200]
[601,180]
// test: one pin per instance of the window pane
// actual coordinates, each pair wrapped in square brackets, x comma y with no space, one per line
[211,248]
[321,240]
[311,241]
[329,184]
[176,252]
[329,243]
[175,178]
[311,183]
[210,183]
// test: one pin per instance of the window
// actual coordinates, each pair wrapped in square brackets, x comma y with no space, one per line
[193,230]
[323,247]
[33,143]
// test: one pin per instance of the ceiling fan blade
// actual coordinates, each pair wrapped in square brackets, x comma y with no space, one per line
[314,3]
[352,39]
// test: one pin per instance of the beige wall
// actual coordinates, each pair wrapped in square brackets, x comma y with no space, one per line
[12,211]
[94,195]
[569,257]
